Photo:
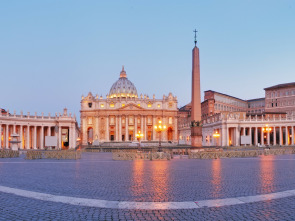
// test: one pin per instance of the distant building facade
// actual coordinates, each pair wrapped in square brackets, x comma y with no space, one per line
[280,98]
[122,114]
[215,103]
[33,129]
[266,121]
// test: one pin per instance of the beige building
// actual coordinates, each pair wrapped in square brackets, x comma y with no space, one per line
[238,128]
[214,103]
[274,126]
[280,98]
[123,114]
[33,129]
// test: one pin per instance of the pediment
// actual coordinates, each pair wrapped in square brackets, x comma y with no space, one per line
[131,106]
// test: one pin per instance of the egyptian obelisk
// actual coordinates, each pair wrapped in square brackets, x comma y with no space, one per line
[196,124]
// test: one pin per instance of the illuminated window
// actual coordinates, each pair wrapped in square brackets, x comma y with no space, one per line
[149,105]
[159,105]
[123,105]
[102,105]
[112,105]
[138,105]
[170,120]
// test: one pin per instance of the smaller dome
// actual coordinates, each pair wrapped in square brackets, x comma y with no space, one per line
[123,87]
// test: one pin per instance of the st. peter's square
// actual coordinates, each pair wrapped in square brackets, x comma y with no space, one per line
[134,110]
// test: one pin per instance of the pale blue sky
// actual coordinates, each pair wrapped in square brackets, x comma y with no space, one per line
[52,52]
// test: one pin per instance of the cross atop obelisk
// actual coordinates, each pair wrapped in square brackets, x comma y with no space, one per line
[195,36]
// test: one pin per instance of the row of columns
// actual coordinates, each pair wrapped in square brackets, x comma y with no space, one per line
[29,136]
[118,128]
[289,140]
[232,135]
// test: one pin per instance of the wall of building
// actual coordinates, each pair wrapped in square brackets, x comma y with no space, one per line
[120,119]
[32,130]
[280,99]
[231,126]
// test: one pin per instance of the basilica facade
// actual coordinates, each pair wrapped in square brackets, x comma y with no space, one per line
[123,114]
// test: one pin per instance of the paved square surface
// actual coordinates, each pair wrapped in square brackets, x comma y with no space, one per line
[97,178]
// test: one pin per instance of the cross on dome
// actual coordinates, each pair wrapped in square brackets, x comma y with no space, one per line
[123,73]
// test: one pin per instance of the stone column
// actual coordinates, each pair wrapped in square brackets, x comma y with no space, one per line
[250,134]
[97,126]
[292,135]
[126,129]
[145,130]
[281,136]
[256,136]
[59,146]
[135,126]
[274,136]
[163,134]
[7,136]
[262,136]
[154,132]
[107,130]
[120,128]
[268,138]
[21,145]
[174,120]
[0,135]
[72,138]
[84,131]
[28,137]
[13,131]
[237,136]
[74,135]
[49,131]
[42,137]
[116,128]
[141,125]
[35,137]
[286,135]
[224,136]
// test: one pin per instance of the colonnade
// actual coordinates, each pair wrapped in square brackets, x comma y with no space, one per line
[257,135]
[33,136]
[124,128]
[32,130]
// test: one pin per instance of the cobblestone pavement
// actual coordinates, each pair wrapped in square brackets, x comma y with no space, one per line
[96,176]
[20,208]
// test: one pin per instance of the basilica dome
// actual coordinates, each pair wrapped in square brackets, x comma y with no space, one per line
[123,87]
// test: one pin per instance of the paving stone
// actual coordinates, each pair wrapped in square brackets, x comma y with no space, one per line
[96,176]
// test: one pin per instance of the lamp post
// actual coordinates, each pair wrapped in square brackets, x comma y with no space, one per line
[139,136]
[267,130]
[159,128]
[216,135]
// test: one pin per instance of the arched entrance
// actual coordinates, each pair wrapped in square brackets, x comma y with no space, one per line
[170,134]
[90,136]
